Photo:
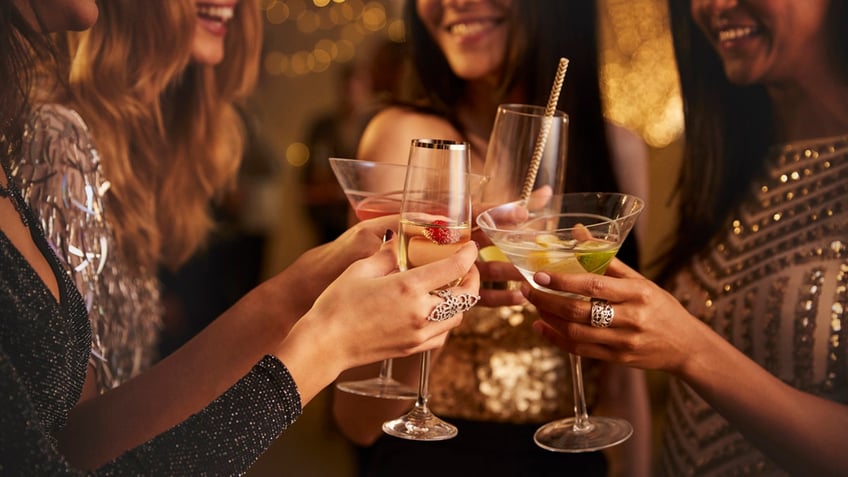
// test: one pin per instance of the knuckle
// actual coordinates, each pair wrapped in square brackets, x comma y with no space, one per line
[596,286]
[644,295]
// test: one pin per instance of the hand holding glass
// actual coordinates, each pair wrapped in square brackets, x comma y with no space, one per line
[374,189]
[435,221]
[570,233]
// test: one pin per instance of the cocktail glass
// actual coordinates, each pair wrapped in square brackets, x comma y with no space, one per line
[435,222]
[375,189]
[569,233]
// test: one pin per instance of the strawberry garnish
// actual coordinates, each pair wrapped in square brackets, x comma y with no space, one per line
[440,234]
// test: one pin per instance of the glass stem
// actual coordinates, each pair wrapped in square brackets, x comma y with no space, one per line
[386,370]
[581,416]
[424,383]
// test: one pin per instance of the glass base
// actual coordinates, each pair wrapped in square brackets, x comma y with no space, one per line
[602,432]
[383,388]
[420,425]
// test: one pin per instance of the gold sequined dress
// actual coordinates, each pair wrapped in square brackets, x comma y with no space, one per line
[496,368]
[60,177]
[775,284]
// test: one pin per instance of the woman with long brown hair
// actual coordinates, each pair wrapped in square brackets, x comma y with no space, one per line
[145,135]
[218,402]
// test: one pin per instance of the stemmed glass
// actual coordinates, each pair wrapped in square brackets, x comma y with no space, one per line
[374,189]
[435,221]
[513,147]
[568,233]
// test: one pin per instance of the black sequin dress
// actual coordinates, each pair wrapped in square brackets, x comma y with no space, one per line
[44,351]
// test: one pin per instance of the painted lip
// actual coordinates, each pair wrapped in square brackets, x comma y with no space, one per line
[736,33]
[734,30]
[213,17]
[470,29]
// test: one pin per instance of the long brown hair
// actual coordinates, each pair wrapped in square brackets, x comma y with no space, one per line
[24,51]
[166,128]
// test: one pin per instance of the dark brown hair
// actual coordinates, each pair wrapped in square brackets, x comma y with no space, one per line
[543,32]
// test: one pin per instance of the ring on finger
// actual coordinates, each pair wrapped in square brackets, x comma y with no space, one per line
[452,304]
[602,313]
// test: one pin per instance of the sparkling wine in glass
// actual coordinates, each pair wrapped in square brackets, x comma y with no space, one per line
[569,233]
[435,222]
[374,189]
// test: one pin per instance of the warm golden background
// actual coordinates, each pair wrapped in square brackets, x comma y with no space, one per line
[306,45]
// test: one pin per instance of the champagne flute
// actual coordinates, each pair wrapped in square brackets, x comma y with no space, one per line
[569,233]
[374,189]
[435,222]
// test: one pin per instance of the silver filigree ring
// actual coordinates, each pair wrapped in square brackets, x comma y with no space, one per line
[452,305]
[602,313]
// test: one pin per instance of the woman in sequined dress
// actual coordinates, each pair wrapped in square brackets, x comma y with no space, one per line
[497,379]
[753,327]
[215,405]
[122,164]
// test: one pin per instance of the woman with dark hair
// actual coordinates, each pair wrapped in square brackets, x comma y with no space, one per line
[219,401]
[753,325]
[469,57]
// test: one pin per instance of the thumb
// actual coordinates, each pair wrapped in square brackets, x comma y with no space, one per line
[382,262]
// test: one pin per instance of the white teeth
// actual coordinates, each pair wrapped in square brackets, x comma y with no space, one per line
[220,13]
[735,33]
[469,28]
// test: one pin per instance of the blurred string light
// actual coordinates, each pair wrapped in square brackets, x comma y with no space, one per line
[339,28]
[638,74]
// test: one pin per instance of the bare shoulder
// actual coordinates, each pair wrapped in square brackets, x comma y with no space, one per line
[629,159]
[625,142]
[387,136]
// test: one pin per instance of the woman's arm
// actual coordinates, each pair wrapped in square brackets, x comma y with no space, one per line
[802,432]
[328,339]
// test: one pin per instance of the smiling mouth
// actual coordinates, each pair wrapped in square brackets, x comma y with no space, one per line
[215,13]
[472,27]
[736,33]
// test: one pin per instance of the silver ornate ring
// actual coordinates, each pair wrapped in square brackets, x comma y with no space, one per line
[602,313]
[452,305]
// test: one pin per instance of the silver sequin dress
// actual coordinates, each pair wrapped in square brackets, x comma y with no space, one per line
[44,351]
[774,283]
[60,177]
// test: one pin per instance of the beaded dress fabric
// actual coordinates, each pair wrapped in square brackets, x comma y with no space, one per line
[60,177]
[44,350]
[496,368]
[775,284]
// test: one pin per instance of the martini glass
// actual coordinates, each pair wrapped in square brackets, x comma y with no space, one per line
[569,233]
[374,189]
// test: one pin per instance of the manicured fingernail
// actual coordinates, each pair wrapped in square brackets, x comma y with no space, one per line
[542,278]
[388,235]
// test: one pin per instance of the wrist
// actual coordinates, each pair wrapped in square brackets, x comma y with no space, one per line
[312,356]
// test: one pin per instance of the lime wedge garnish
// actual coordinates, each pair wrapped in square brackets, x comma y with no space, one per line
[544,261]
[492,254]
[596,262]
